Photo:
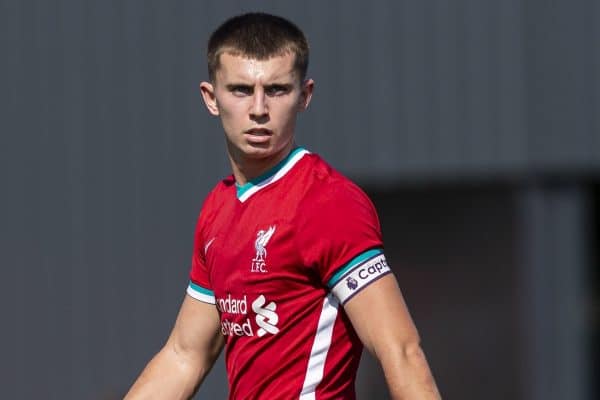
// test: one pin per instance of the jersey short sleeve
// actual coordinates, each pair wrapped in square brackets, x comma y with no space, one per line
[341,238]
[199,286]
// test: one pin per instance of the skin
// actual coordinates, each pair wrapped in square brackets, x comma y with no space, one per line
[391,336]
[258,102]
[179,368]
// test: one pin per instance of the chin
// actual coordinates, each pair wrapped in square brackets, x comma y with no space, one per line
[257,151]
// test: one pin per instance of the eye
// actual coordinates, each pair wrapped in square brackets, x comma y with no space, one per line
[241,90]
[276,90]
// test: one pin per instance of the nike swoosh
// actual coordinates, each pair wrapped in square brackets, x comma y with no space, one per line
[207,245]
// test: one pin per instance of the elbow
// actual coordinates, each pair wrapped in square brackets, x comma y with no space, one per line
[407,351]
[412,350]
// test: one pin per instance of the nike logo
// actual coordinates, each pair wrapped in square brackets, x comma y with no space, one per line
[207,245]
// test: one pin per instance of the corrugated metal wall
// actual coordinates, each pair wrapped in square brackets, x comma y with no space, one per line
[562,60]
[106,150]
[438,88]
[403,87]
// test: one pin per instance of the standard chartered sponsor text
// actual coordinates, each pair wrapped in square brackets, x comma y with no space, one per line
[235,323]
[232,305]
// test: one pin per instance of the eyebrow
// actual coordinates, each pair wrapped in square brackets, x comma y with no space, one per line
[285,85]
[231,86]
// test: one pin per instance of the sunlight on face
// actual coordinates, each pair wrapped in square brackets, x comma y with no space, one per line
[258,102]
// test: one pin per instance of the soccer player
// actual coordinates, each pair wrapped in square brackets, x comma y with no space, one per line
[288,269]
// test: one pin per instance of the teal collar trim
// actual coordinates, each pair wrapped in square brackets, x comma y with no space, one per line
[272,175]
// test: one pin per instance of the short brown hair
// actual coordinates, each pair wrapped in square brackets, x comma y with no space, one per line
[259,36]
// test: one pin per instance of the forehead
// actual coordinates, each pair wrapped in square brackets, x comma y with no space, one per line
[243,69]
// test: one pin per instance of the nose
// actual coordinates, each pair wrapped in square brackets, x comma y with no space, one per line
[259,105]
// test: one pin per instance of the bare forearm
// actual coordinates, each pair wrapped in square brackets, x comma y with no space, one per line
[408,375]
[168,375]
[391,336]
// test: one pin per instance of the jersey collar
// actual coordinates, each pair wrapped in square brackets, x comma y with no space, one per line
[271,176]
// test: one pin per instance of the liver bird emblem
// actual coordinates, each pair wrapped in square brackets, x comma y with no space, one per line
[262,238]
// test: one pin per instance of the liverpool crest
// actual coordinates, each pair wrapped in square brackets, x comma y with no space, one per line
[259,262]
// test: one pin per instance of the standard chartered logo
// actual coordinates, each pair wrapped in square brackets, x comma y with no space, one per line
[266,317]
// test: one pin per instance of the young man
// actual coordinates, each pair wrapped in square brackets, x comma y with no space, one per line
[288,270]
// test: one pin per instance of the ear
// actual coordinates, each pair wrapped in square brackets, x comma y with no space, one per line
[307,91]
[208,95]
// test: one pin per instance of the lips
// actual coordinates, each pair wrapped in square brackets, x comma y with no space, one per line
[258,132]
[258,136]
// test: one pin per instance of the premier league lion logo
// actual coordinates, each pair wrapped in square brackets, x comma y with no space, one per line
[352,283]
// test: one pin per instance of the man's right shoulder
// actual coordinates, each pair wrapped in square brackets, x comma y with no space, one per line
[220,190]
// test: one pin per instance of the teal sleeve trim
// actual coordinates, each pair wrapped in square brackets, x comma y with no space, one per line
[202,290]
[354,262]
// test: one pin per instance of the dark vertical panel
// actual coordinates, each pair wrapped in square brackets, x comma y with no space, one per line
[415,84]
[481,61]
[19,158]
[593,30]
[553,223]
[104,148]
[112,335]
[511,122]
[52,269]
[381,144]
[71,115]
[13,233]
[558,83]
[96,219]
[444,112]
[37,152]
[351,120]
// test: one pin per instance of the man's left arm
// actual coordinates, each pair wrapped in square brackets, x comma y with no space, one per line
[391,336]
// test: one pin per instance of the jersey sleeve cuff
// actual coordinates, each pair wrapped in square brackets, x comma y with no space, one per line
[359,273]
[200,293]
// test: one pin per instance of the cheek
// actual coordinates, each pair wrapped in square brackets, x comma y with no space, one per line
[289,114]
[231,112]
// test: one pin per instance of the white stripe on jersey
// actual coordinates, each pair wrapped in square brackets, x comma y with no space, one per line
[198,295]
[320,347]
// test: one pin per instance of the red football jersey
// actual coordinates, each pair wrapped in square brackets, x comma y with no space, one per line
[278,257]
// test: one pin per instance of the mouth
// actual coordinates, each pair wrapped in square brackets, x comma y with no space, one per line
[258,136]
[258,132]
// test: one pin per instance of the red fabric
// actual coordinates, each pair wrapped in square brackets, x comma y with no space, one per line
[320,221]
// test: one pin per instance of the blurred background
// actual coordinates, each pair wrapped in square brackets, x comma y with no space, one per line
[473,124]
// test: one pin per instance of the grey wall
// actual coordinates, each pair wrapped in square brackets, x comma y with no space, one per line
[454,250]
[106,154]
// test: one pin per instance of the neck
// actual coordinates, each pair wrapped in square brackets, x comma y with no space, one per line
[247,168]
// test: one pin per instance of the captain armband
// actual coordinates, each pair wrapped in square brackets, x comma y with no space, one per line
[358,274]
